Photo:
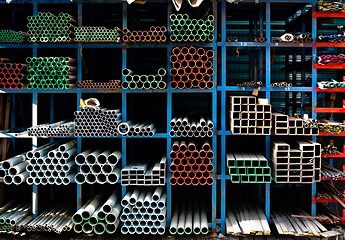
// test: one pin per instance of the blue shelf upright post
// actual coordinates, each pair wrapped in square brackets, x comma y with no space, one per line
[268,96]
[223,118]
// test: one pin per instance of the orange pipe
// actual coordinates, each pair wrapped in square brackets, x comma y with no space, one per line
[209,84]
[200,51]
[191,161]
[209,167]
[183,146]
[177,161]
[180,181]
[202,84]
[176,146]
[191,147]
[188,84]
[184,162]
[195,167]
[180,72]
[206,161]
[195,154]
[187,181]
[198,175]
[206,174]
[191,175]
[208,64]
[210,71]
[206,146]
[180,85]
[202,181]
[176,51]
[210,154]
[176,174]
[184,50]
[187,154]
[209,181]
[202,168]
[195,181]
[188,57]
[210,53]
[173,84]
[173,167]
[173,59]
[188,70]
[202,153]
[173,181]
[195,83]
[187,168]
[183,174]
[192,50]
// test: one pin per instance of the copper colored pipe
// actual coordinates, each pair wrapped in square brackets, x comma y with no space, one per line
[177,162]
[176,146]
[209,84]
[188,57]
[209,167]
[191,161]
[195,181]
[191,77]
[183,175]
[191,175]
[125,39]
[202,168]
[132,38]
[187,181]
[192,50]
[188,84]
[176,51]
[173,84]
[173,59]
[199,63]
[184,50]
[203,58]
[184,64]
[202,84]
[176,174]
[206,77]
[180,72]
[198,175]
[202,181]
[187,168]
[180,168]
[206,146]
[180,85]
[173,168]
[200,51]
[199,76]
[184,78]
[163,29]
[192,63]
[210,53]
[195,83]
[209,181]
[153,28]
[163,38]
[209,154]
[210,71]
[180,57]
[173,181]
[206,174]
[173,72]
[184,162]
[195,167]
[208,64]
[191,146]
[187,154]
[188,70]
[183,146]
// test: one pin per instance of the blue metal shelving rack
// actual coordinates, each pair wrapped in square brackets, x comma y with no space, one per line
[221,90]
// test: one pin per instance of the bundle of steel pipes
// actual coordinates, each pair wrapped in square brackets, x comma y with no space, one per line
[7,35]
[327,171]
[330,6]
[151,81]
[11,74]
[14,216]
[302,165]
[97,122]
[96,34]
[52,163]
[184,127]
[156,34]
[251,84]
[189,217]
[298,224]
[50,72]
[281,84]
[62,129]
[142,174]
[131,129]
[249,118]
[87,84]
[288,125]
[333,127]
[331,38]
[185,29]
[248,168]
[331,83]
[288,37]
[98,166]
[144,211]
[331,59]
[246,218]
[57,218]
[191,68]
[99,215]
[47,27]
[232,39]
[190,166]
[13,170]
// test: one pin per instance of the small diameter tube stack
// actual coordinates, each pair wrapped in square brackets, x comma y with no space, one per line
[190,166]
[156,34]
[188,218]
[144,211]
[91,84]
[58,129]
[98,166]
[296,165]
[142,174]
[14,216]
[13,170]
[51,72]
[52,163]
[96,34]
[331,59]
[91,122]
[191,68]
[47,27]
[184,127]
[185,29]
[12,75]
[249,118]
[55,218]
[151,81]
[130,129]
[9,36]
[248,168]
[99,215]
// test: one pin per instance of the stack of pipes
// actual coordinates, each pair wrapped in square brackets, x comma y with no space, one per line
[144,211]
[288,37]
[248,117]
[97,122]
[186,29]
[327,171]
[191,68]
[98,215]
[51,72]
[55,218]
[331,59]
[232,39]
[98,166]
[58,129]
[96,34]
[331,38]
[189,217]
[251,84]
[296,165]
[330,6]
[248,168]
[156,34]
[246,218]
[332,127]
[131,129]
[11,74]
[331,83]
[90,84]
[190,166]
[185,127]
[10,36]
[142,174]
[281,84]
[14,216]
[151,81]
[288,125]
[52,163]
[47,27]
[13,170]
